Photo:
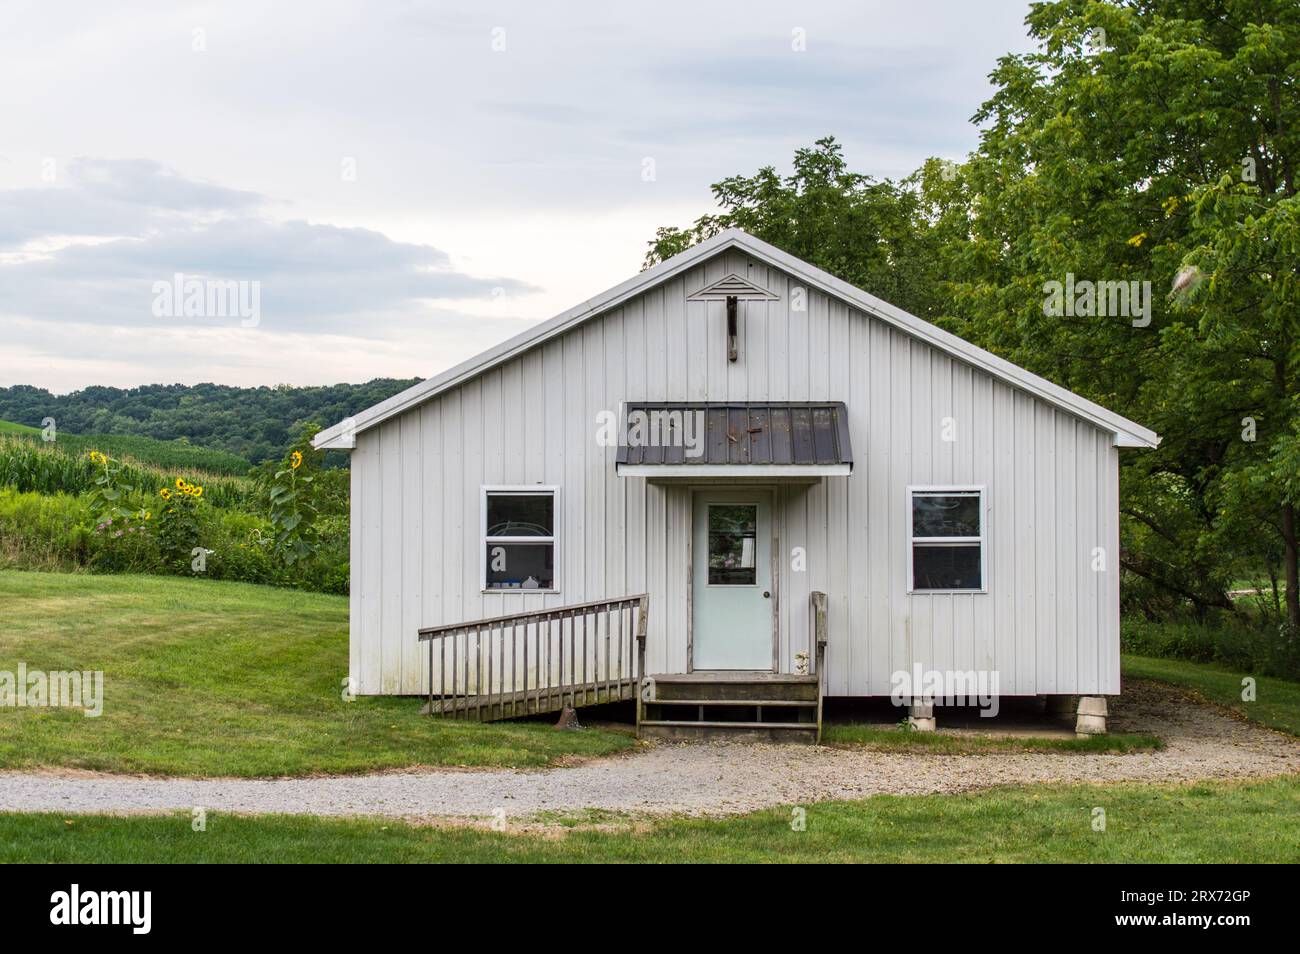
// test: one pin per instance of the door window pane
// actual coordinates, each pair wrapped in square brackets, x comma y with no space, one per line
[733,544]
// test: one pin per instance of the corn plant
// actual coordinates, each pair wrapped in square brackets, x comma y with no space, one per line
[31,467]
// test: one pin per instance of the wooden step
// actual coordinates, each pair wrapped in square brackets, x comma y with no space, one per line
[728,712]
[743,687]
[799,703]
[804,732]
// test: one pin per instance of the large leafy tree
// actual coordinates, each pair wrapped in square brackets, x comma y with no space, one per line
[1243,291]
[1138,141]
[1102,157]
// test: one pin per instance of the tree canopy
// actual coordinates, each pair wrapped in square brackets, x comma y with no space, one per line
[1151,143]
[256,423]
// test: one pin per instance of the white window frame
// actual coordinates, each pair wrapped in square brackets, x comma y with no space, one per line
[518,490]
[929,490]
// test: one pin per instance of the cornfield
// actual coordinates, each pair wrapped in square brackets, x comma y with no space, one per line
[173,455]
[31,467]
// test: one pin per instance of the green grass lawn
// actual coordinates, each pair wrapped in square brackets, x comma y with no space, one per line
[1217,822]
[1277,701]
[210,678]
[893,739]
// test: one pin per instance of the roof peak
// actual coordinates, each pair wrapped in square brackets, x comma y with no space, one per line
[1126,433]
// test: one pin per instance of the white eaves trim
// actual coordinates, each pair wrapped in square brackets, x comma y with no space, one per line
[1126,433]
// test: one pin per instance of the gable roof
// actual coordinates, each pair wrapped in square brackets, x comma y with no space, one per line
[1126,433]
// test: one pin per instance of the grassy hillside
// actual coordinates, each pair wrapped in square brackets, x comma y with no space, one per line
[9,427]
[209,678]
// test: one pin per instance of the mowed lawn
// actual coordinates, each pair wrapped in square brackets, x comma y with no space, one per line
[896,739]
[210,678]
[204,677]
[1218,822]
[1276,703]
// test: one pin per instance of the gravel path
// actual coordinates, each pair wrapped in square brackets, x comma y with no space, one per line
[713,779]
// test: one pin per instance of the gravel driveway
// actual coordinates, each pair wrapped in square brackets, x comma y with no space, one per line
[713,779]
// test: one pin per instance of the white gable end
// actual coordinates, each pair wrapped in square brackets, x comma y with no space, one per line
[1125,433]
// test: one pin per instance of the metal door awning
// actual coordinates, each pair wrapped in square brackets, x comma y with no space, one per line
[731,439]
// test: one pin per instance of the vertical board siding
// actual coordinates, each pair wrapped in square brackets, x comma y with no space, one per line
[1048,623]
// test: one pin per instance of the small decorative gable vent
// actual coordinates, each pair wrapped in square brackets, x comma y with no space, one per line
[733,286]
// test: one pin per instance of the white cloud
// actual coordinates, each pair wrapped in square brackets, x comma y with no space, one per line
[150,225]
[475,169]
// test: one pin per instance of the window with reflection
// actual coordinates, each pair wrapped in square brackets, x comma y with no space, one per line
[519,542]
[733,543]
[947,540]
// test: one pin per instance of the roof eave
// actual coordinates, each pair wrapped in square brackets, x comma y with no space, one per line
[1145,439]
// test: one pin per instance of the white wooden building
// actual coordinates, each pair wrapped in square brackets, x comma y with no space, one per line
[958,512]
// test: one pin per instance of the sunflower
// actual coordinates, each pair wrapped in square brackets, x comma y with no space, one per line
[295,460]
[165,494]
[180,483]
[97,458]
[195,491]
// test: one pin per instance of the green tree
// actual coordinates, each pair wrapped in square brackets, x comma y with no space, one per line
[853,226]
[1094,149]
[1103,155]
[1242,286]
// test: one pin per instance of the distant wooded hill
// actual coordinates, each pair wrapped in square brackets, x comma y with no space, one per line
[253,423]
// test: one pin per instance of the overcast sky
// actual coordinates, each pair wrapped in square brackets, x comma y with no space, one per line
[408,183]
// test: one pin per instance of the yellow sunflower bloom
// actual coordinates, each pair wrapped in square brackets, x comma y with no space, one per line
[165,494]
[196,491]
[180,483]
[295,459]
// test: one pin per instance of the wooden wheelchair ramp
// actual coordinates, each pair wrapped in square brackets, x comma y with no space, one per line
[591,653]
[536,662]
